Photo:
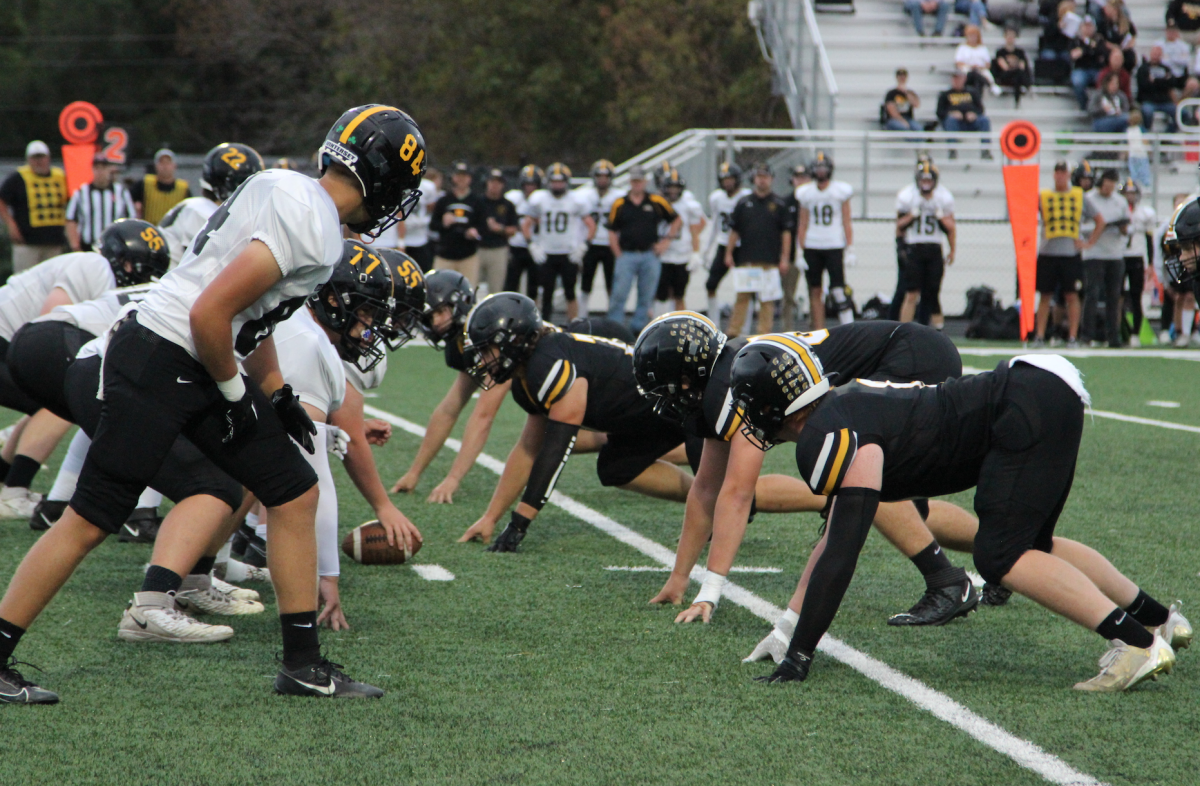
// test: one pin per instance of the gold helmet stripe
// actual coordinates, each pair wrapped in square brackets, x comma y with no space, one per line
[361,117]
[801,350]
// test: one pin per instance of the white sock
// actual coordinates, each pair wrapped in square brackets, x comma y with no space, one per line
[68,473]
[261,531]
[845,310]
[714,311]
[235,572]
[1189,320]
[223,554]
[150,499]
[252,520]
[790,617]
[748,327]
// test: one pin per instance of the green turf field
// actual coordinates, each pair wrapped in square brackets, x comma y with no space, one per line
[542,667]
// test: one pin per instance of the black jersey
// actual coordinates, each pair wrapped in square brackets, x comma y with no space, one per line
[934,438]
[614,403]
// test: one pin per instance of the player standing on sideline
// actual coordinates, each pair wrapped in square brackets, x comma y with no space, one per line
[459,217]
[519,259]
[925,218]
[721,203]
[173,368]
[791,278]
[502,224]
[225,168]
[825,232]
[1141,230]
[684,250]
[1063,210]
[761,230]
[559,243]
[599,198]
[414,231]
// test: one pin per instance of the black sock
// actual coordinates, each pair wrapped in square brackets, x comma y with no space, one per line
[1121,625]
[1147,610]
[204,566]
[10,636]
[21,472]
[301,645]
[930,559]
[159,579]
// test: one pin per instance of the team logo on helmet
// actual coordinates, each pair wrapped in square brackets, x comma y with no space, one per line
[773,377]
[673,360]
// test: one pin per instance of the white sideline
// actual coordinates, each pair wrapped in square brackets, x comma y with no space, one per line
[1023,752]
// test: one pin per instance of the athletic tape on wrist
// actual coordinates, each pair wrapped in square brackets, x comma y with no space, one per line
[233,389]
[710,590]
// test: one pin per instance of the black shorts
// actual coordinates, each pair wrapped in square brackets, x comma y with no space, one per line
[555,267]
[521,261]
[820,260]
[422,255]
[718,270]
[672,281]
[924,268]
[917,353]
[38,358]
[153,392]
[1026,476]
[1053,272]
[11,395]
[628,454]
[597,256]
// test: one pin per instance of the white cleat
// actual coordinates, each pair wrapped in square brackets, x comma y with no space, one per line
[1176,631]
[237,572]
[240,593]
[153,617]
[1124,666]
[200,596]
[18,503]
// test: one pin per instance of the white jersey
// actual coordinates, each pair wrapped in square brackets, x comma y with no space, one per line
[83,275]
[183,222]
[416,226]
[720,210]
[825,229]
[598,207]
[97,315]
[559,218]
[309,362]
[365,380]
[521,203]
[1141,223]
[926,228]
[287,211]
[679,251]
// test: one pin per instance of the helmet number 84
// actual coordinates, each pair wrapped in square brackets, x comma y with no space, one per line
[406,152]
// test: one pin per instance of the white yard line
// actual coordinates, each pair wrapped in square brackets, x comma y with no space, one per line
[665,569]
[1165,354]
[433,573]
[1023,752]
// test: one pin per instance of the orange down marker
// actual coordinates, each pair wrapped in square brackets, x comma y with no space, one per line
[1020,141]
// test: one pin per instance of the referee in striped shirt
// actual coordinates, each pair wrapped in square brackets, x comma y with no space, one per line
[96,205]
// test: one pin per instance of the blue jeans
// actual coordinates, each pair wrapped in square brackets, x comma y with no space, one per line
[1166,107]
[1111,124]
[1139,170]
[1081,80]
[913,7]
[975,10]
[644,267]
[981,123]
[893,124]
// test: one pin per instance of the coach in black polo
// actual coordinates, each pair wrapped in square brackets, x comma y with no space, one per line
[763,224]
[633,234]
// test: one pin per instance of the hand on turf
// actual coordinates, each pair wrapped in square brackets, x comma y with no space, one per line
[672,591]
[696,611]
[399,529]
[481,531]
[378,431]
[296,421]
[331,615]
[788,670]
[406,483]
[443,493]
[240,420]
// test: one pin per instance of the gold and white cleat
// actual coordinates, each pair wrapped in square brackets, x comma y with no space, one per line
[1177,631]
[1124,666]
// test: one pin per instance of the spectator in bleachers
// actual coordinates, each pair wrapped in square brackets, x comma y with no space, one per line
[1191,89]
[1177,53]
[1058,32]
[1118,30]
[1108,107]
[1157,89]
[961,109]
[899,103]
[1116,66]
[973,58]
[1186,16]
[918,8]
[1137,154]
[1010,67]
[974,10]
[1089,54]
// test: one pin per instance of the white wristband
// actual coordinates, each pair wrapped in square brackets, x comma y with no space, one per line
[233,389]
[710,590]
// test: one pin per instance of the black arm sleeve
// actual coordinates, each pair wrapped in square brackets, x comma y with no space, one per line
[849,522]
[556,449]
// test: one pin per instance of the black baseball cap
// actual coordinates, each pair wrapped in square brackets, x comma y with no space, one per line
[496,174]
[460,166]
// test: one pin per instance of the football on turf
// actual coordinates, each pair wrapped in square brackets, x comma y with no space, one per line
[367,544]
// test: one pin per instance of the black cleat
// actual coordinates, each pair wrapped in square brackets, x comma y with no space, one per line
[15,689]
[995,595]
[939,606]
[508,540]
[788,670]
[142,526]
[45,514]
[248,547]
[241,536]
[322,679]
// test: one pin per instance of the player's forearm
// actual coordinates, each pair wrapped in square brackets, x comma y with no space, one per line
[72,230]
[360,466]
[441,423]
[479,427]
[213,337]
[512,482]
[697,528]
[729,527]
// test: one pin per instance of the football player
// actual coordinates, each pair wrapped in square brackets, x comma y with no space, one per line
[558,246]
[1143,221]
[682,361]
[684,251]
[519,259]
[791,278]
[132,251]
[173,368]
[599,198]
[1181,246]
[721,203]
[225,168]
[825,233]
[1013,434]
[925,217]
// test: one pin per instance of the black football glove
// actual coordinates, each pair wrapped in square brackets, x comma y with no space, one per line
[512,535]
[793,668]
[296,421]
[240,420]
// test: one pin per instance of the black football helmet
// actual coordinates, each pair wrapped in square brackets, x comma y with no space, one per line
[673,360]
[822,166]
[507,322]
[774,376]
[727,170]
[136,250]
[1081,173]
[382,147]
[662,171]
[360,292]
[603,167]
[674,180]
[446,288]
[1130,187]
[1181,243]
[926,170]
[410,298]
[227,166]
[558,173]
[532,176]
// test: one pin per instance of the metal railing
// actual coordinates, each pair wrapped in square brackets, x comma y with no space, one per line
[790,41]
